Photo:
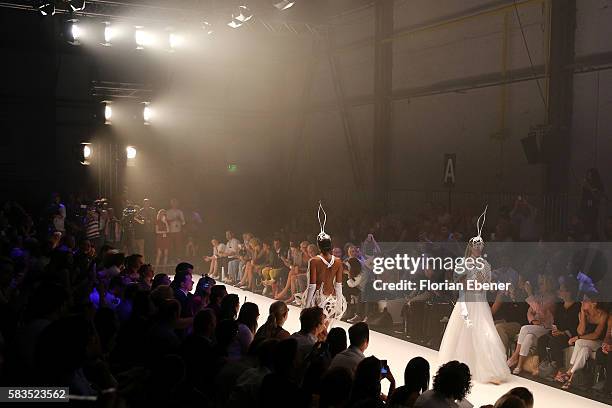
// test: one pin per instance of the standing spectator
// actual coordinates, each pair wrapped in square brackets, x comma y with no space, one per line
[112,228]
[193,232]
[524,216]
[162,230]
[451,384]
[176,221]
[148,217]
[58,213]
[592,193]
[92,227]
[359,337]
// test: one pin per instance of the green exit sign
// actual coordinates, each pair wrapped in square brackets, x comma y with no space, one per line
[232,168]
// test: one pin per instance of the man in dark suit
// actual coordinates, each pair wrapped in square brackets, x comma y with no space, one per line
[182,285]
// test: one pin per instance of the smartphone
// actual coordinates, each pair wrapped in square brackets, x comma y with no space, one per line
[384,369]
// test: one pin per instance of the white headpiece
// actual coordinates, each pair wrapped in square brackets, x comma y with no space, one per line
[322,235]
[477,240]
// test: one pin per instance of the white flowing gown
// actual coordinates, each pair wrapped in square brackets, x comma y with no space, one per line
[471,337]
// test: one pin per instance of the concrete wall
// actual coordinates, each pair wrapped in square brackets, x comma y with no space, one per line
[458,55]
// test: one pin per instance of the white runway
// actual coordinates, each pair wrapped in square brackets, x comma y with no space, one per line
[398,352]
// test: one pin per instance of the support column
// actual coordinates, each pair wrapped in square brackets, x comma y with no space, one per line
[383,77]
[556,144]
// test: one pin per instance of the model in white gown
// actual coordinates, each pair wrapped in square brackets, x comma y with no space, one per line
[470,335]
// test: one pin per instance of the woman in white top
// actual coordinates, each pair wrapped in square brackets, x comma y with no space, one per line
[247,327]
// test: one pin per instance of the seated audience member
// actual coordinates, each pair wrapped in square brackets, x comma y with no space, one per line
[359,337]
[230,306]
[161,339]
[277,269]
[298,264]
[64,348]
[146,274]
[312,325]
[416,382]
[540,316]
[509,401]
[110,297]
[273,327]
[217,294]
[133,331]
[551,345]
[451,384]
[510,312]
[132,267]
[232,250]
[182,285]
[604,356]
[279,389]
[248,384]
[335,389]
[160,279]
[198,346]
[320,357]
[366,384]
[591,330]
[524,394]
[218,252]
[247,327]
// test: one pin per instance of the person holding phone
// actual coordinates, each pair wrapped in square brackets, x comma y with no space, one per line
[367,386]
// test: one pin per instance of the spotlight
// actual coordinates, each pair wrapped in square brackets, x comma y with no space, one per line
[234,24]
[86,153]
[242,15]
[284,4]
[108,112]
[175,40]
[46,7]
[109,33]
[147,113]
[142,38]
[130,152]
[207,27]
[77,5]
[74,31]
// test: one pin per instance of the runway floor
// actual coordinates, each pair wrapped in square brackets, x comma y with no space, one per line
[398,352]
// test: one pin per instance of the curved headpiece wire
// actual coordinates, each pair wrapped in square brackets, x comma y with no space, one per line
[477,240]
[322,235]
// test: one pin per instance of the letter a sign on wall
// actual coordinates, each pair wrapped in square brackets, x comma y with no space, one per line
[450,161]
